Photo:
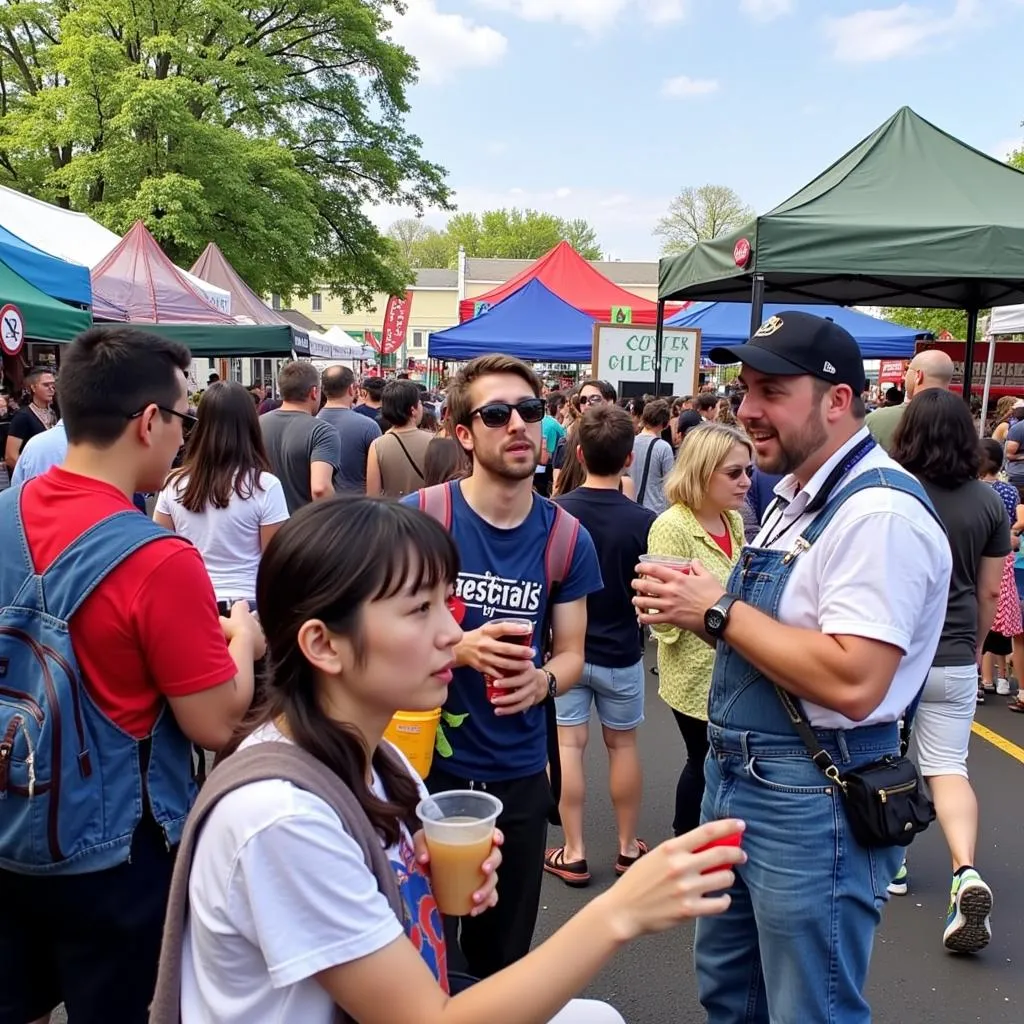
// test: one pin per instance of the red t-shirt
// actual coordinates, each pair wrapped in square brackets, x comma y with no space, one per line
[724,542]
[150,630]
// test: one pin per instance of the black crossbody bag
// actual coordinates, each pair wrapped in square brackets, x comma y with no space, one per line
[886,803]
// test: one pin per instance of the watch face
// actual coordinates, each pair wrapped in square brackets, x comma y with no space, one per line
[715,621]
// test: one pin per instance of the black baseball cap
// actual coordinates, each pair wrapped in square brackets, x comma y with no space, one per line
[795,344]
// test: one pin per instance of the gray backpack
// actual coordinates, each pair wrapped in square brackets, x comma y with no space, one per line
[270,760]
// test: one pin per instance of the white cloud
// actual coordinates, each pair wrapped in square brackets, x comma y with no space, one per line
[594,16]
[445,44]
[684,87]
[563,193]
[901,31]
[766,10]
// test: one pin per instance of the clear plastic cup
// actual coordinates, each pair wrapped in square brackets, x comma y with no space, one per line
[520,631]
[670,561]
[459,829]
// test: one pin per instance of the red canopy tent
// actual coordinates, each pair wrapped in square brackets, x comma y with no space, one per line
[213,267]
[138,278]
[566,273]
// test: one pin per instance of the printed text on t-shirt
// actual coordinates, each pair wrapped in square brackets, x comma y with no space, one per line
[496,595]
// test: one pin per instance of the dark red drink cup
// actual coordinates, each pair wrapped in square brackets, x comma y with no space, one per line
[520,632]
[733,839]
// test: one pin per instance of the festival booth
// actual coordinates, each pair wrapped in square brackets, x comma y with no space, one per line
[77,238]
[531,323]
[137,276]
[728,323]
[569,276]
[909,217]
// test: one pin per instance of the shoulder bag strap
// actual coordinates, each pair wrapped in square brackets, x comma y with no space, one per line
[436,502]
[405,452]
[647,470]
[270,760]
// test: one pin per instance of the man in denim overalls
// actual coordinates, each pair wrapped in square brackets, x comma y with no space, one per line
[840,601]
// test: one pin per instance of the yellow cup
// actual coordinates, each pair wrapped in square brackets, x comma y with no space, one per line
[413,732]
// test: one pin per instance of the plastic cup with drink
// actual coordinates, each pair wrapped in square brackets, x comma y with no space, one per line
[733,839]
[459,829]
[670,562]
[513,631]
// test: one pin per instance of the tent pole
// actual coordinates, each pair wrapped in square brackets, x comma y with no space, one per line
[756,303]
[972,330]
[659,334]
[989,364]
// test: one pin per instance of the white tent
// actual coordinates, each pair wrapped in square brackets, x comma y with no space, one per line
[338,336]
[1006,320]
[75,237]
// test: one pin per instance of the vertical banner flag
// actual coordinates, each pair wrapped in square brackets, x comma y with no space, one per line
[396,324]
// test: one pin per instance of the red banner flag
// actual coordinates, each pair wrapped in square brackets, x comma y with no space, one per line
[396,324]
[369,338]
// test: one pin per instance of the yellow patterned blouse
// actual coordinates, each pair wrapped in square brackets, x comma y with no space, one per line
[685,661]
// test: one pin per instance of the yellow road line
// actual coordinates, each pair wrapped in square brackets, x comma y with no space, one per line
[999,741]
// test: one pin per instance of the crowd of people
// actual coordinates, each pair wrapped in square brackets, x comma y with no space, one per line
[315,563]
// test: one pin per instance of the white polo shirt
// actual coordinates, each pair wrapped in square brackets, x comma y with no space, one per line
[879,570]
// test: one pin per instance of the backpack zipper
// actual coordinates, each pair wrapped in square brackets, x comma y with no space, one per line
[7,749]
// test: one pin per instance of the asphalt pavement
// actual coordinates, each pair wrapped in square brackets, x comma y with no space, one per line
[913,979]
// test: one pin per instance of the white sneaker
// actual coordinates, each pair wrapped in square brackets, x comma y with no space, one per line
[967,924]
[1003,687]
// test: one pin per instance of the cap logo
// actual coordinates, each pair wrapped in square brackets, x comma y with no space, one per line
[770,326]
[828,367]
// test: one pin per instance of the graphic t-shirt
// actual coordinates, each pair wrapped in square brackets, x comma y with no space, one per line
[279,891]
[502,575]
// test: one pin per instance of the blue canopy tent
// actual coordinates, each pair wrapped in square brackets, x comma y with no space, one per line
[55,277]
[728,323]
[532,323]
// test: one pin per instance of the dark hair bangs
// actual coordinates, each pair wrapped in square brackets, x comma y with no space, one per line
[421,556]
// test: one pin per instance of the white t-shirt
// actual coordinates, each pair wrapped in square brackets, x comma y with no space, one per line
[880,570]
[228,538]
[279,891]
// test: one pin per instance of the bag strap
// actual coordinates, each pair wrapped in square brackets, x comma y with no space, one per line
[269,760]
[647,469]
[405,452]
[560,548]
[11,525]
[436,502]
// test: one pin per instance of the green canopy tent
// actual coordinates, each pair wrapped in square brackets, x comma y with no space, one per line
[909,217]
[46,319]
[226,340]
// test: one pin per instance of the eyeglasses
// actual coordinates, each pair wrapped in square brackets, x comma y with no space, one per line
[188,421]
[497,414]
[735,472]
[593,400]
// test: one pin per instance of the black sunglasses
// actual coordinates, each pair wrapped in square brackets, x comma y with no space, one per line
[497,414]
[188,421]
[736,471]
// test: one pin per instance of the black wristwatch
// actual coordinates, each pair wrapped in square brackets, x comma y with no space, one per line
[552,683]
[716,618]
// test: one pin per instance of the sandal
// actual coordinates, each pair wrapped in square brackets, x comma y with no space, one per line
[1016,705]
[623,864]
[573,873]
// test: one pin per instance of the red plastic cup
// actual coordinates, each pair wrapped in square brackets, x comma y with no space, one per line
[520,632]
[733,839]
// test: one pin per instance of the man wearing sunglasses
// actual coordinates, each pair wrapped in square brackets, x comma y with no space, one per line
[145,646]
[592,393]
[502,530]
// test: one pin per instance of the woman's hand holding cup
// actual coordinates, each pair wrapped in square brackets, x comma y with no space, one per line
[674,882]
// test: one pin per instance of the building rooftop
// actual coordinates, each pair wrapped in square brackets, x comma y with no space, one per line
[300,320]
[430,277]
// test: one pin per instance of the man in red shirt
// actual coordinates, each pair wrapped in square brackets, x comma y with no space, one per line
[151,649]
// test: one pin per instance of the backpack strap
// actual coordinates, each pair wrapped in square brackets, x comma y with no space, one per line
[11,525]
[436,501]
[646,473]
[270,760]
[87,561]
[561,547]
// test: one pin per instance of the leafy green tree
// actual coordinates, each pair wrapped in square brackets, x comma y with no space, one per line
[267,129]
[700,214]
[934,320]
[582,237]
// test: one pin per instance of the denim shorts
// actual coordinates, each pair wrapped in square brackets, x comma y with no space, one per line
[941,731]
[617,692]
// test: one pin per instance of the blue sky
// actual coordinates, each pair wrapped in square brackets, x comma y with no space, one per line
[605,109]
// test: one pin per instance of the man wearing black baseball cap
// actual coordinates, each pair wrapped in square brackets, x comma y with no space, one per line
[808,611]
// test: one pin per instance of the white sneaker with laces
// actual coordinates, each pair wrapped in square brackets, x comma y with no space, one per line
[1003,687]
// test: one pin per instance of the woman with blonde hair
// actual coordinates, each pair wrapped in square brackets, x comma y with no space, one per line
[706,488]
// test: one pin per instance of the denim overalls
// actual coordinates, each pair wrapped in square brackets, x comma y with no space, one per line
[795,944]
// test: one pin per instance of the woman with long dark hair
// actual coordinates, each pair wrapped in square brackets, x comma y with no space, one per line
[286,921]
[937,441]
[223,497]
